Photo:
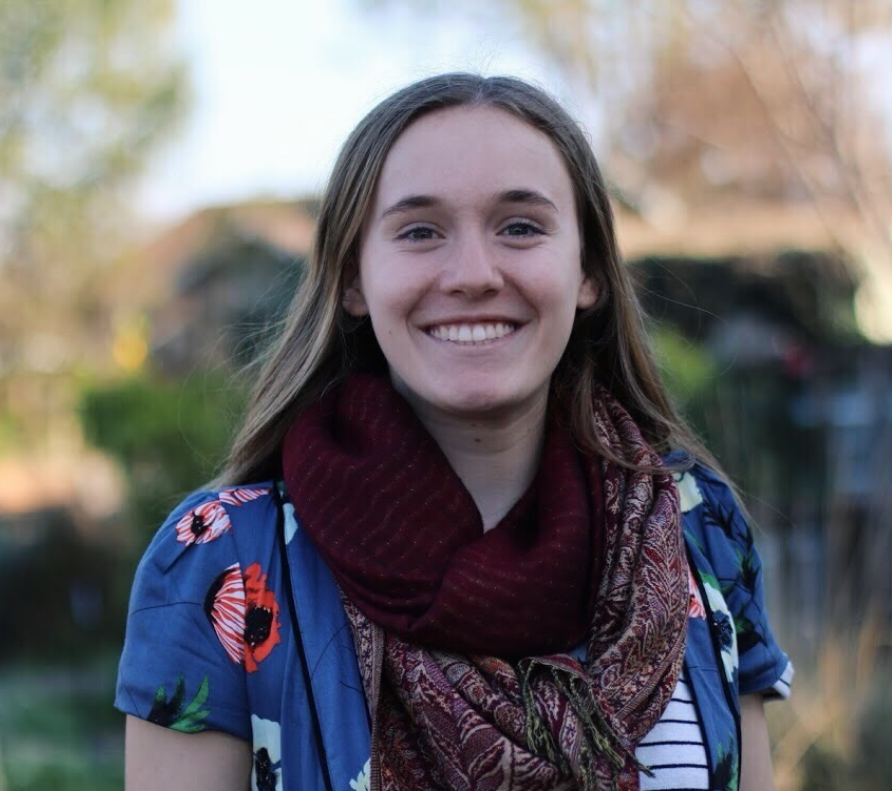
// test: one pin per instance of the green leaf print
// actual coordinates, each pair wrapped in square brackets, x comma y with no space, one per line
[171,713]
[749,572]
[747,636]
[727,775]
[710,580]
[695,541]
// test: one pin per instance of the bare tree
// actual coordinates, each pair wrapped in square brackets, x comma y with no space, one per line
[765,100]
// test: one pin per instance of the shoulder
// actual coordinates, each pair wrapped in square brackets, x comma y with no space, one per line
[208,515]
[719,539]
[726,560]
[188,643]
[208,529]
[706,498]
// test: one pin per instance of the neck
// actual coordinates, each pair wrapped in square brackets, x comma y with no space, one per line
[496,457]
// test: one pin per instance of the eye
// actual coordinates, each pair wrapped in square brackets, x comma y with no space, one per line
[417,233]
[522,228]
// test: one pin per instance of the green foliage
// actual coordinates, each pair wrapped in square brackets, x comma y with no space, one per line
[84,93]
[88,88]
[58,729]
[824,770]
[687,368]
[873,765]
[77,773]
[170,437]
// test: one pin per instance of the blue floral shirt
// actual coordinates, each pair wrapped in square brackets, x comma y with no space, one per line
[237,625]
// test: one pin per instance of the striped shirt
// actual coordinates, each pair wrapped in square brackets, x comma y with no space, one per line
[674,749]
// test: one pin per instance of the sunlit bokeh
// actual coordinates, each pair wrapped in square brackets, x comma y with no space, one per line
[160,167]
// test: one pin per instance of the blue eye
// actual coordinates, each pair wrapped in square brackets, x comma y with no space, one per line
[522,228]
[419,233]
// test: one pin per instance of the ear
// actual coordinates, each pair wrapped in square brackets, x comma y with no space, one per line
[353,300]
[589,291]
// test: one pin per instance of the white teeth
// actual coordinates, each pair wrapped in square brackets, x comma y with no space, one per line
[471,333]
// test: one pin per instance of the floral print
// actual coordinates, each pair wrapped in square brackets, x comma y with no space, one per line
[240,496]
[205,523]
[261,632]
[205,619]
[175,713]
[727,771]
[290,522]
[244,615]
[266,773]
[361,783]
[722,623]
[696,608]
[688,493]
[225,608]
[208,521]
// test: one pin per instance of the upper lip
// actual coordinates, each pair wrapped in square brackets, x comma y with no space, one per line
[459,320]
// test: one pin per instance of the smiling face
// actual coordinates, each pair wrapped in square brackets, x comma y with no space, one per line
[470,263]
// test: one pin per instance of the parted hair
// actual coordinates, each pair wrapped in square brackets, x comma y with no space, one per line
[320,343]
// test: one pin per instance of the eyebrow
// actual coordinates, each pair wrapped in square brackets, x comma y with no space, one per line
[524,196]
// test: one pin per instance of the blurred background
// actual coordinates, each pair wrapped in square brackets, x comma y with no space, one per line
[160,167]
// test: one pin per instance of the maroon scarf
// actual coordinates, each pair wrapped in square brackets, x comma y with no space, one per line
[592,552]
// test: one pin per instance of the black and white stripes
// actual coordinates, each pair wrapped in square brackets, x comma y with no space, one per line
[674,749]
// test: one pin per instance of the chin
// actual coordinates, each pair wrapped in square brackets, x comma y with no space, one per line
[479,402]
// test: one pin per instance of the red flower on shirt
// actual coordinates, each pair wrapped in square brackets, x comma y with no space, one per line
[224,605]
[204,523]
[261,618]
[244,615]
[237,496]
[695,608]
[209,521]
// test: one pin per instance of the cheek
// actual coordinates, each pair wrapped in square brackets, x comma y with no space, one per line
[556,296]
[391,303]
[393,292]
[387,306]
[378,289]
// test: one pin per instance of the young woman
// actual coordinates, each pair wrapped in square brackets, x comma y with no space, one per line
[463,541]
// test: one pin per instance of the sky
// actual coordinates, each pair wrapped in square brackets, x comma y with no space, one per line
[278,85]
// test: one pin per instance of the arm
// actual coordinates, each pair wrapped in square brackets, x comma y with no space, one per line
[158,757]
[755,762]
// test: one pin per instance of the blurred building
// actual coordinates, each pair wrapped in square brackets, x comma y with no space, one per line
[800,411]
[215,283]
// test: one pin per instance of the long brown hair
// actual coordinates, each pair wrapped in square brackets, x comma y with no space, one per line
[321,344]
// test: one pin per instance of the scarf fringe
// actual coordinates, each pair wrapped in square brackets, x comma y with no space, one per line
[599,737]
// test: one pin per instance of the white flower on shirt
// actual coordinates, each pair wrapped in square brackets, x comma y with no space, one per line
[361,783]
[266,774]
[290,522]
[722,624]
[688,491]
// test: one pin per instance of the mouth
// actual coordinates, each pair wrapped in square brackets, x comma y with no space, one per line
[471,334]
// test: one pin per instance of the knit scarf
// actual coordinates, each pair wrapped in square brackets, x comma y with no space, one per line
[462,636]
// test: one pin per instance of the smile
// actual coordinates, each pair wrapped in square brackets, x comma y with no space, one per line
[471,334]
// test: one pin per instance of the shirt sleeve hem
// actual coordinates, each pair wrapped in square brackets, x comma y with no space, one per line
[126,706]
[774,684]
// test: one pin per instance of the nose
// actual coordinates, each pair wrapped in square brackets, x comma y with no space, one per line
[473,268]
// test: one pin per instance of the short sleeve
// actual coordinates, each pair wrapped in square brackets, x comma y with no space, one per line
[763,666]
[183,660]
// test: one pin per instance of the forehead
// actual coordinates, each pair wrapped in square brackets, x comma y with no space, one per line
[467,152]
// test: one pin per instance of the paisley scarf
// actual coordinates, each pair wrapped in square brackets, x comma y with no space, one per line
[464,638]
